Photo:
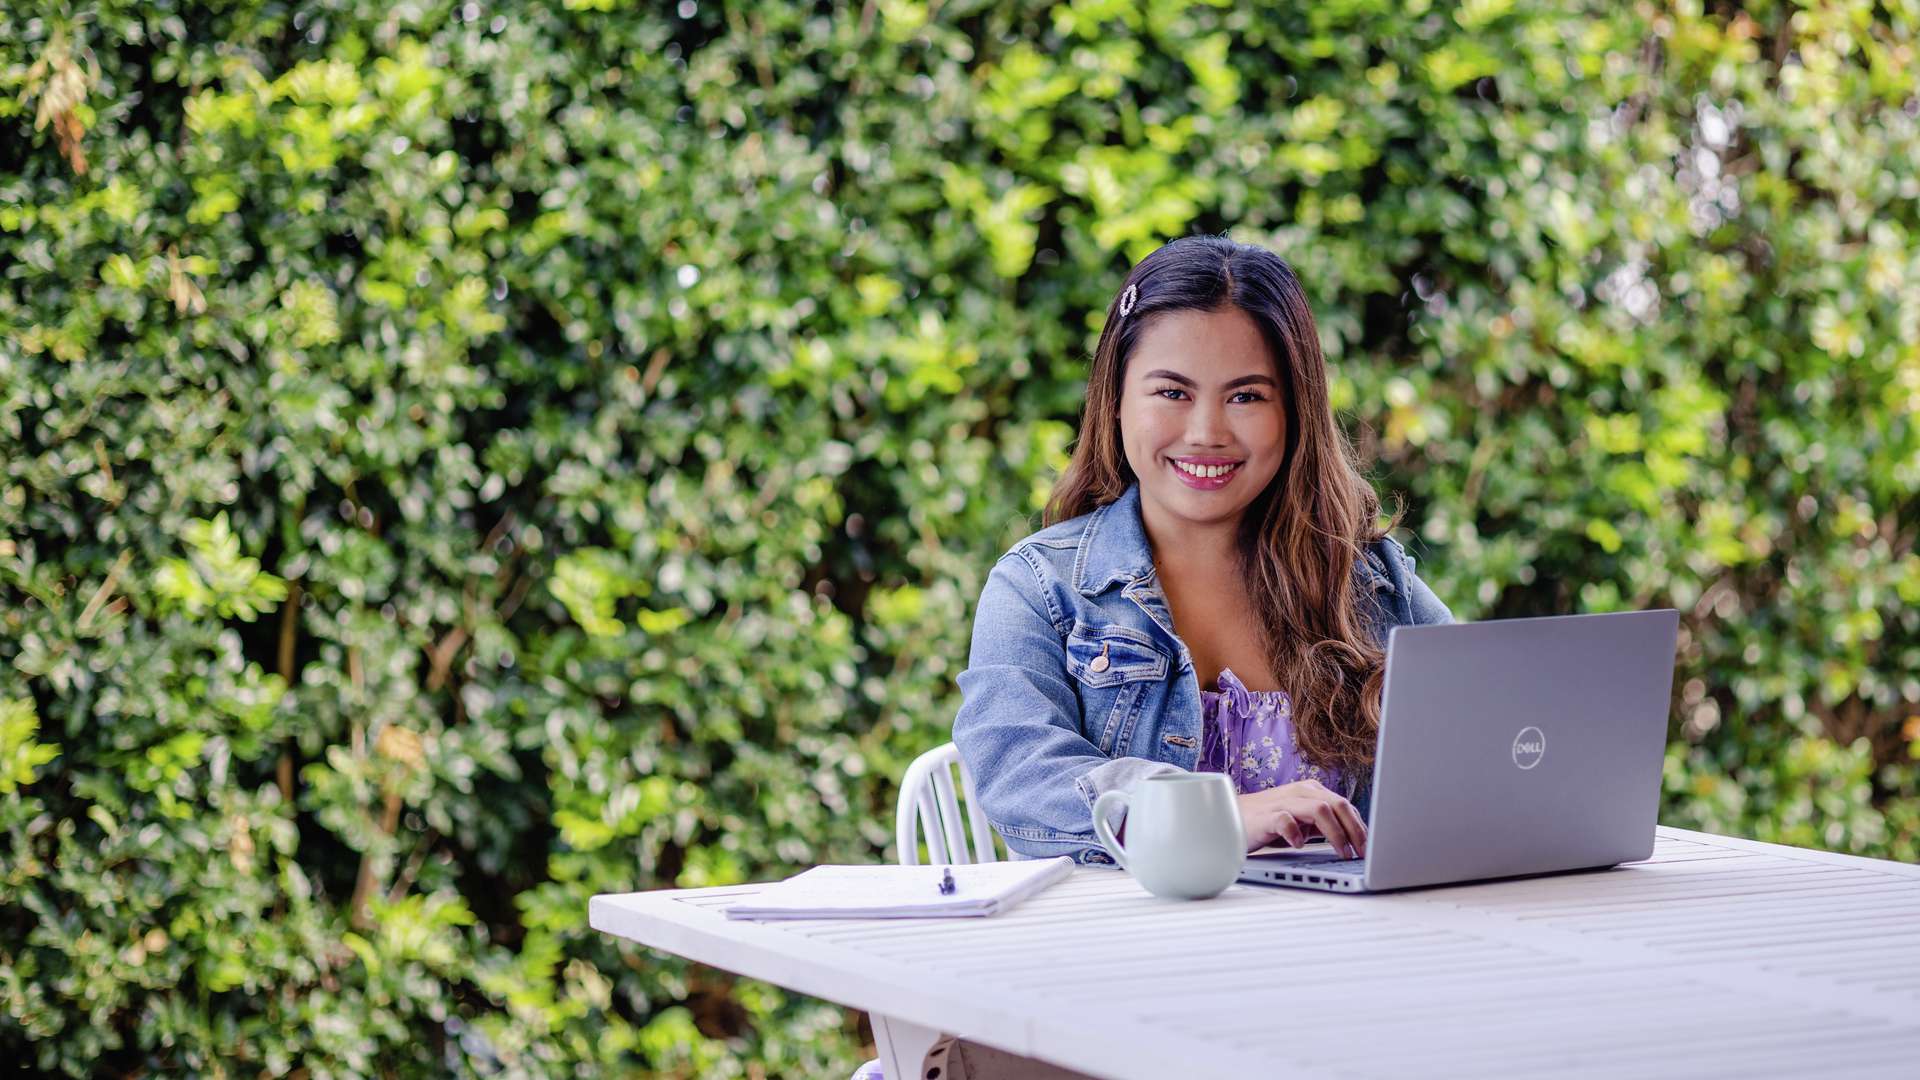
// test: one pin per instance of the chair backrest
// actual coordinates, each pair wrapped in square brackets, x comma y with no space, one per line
[927,800]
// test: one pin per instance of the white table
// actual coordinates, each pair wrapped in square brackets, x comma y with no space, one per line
[1716,957]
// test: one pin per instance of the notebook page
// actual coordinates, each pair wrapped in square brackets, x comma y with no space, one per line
[899,891]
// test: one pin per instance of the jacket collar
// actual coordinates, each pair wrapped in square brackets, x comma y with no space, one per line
[1114,549]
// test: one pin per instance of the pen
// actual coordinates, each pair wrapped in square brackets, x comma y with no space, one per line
[946,882]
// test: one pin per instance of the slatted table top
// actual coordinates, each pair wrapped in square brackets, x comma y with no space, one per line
[1714,957]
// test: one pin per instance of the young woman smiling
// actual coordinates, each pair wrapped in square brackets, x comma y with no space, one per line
[1212,590]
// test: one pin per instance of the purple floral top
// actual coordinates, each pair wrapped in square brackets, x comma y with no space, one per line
[1248,734]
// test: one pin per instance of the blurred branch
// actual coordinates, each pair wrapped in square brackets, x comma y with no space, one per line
[105,590]
[412,870]
[441,656]
[363,882]
[404,750]
[757,40]
[656,366]
[1476,475]
[289,627]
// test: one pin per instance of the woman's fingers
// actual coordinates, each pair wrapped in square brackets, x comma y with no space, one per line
[1293,813]
[1265,822]
[1333,828]
[1287,827]
[1356,829]
[1334,817]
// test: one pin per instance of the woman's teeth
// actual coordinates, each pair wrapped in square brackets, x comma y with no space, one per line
[1205,470]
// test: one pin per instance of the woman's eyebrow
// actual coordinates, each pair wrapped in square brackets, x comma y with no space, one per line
[1174,376]
[1170,376]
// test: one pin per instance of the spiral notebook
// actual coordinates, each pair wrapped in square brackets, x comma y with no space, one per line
[901,892]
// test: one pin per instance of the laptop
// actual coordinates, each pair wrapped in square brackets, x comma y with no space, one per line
[1507,748]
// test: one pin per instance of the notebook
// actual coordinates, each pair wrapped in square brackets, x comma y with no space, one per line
[901,892]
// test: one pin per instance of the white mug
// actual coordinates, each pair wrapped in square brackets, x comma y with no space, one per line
[1184,839]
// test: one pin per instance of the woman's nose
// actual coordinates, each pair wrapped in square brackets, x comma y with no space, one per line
[1207,425]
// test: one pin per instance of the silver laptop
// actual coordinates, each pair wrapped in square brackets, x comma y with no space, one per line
[1507,748]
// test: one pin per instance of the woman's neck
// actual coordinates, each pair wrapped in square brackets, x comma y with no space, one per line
[1205,587]
[1213,546]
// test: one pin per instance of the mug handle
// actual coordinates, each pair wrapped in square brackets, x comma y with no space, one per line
[1106,803]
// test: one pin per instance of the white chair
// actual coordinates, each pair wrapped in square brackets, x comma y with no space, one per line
[929,807]
[928,800]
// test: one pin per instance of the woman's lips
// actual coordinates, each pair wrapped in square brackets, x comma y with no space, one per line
[1206,483]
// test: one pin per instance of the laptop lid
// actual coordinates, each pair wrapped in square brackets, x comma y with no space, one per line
[1520,746]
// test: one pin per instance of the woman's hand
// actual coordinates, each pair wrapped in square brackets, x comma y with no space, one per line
[1292,812]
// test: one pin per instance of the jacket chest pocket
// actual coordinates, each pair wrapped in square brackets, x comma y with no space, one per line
[1104,657]
[1113,669]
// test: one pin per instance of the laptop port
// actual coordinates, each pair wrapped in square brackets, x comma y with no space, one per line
[1315,878]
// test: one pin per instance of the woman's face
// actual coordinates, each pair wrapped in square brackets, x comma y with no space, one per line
[1201,417]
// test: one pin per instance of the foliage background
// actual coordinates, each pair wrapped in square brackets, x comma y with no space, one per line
[458,458]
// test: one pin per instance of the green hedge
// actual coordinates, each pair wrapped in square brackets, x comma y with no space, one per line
[459,458]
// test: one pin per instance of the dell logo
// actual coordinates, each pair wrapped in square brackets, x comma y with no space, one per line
[1529,747]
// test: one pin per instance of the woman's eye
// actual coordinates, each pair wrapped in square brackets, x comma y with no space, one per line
[1163,391]
[1248,395]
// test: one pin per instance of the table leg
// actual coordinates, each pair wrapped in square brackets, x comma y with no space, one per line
[909,1051]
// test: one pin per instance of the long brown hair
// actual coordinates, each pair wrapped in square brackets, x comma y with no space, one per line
[1300,538]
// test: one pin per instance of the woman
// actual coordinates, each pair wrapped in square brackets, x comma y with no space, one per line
[1212,590]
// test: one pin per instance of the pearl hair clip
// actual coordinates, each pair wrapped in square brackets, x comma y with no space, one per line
[1127,300]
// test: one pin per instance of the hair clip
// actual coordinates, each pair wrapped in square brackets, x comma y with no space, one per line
[1127,300]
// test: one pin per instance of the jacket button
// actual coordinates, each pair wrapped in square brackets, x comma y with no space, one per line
[1099,664]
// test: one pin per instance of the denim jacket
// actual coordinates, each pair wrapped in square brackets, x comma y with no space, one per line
[1045,732]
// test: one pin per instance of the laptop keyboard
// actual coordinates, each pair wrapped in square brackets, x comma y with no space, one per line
[1327,862]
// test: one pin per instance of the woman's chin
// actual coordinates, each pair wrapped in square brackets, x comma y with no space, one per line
[1200,507]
